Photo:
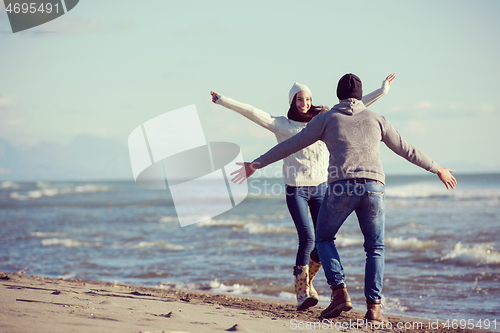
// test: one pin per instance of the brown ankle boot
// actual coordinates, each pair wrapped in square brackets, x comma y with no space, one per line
[373,313]
[340,302]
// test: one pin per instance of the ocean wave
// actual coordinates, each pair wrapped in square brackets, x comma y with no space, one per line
[179,286]
[259,228]
[417,190]
[287,295]
[40,234]
[473,255]
[213,286]
[393,304]
[68,243]
[151,275]
[342,241]
[168,219]
[220,223]
[46,191]
[410,244]
[248,227]
[9,185]
[160,244]
[216,286]
[30,195]
[76,243]
[434,190]
[68,276]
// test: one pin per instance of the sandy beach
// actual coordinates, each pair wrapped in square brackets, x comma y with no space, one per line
[38,304]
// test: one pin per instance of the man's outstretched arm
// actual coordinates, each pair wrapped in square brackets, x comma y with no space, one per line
[247,169]
[397,144]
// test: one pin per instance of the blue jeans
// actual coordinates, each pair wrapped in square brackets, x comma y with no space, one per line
[298,200]
[367,200]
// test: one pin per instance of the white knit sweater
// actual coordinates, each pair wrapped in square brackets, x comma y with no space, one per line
[309,166]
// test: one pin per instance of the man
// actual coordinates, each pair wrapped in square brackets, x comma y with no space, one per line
[356,181]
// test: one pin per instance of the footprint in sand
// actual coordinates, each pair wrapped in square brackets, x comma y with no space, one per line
[171,315]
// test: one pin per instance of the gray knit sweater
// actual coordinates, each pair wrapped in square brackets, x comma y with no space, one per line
[352,134]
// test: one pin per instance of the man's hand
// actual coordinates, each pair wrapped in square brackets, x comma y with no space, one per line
[447,178]
[246,171]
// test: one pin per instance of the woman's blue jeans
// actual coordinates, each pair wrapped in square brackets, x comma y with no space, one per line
[300,200]
[367,200]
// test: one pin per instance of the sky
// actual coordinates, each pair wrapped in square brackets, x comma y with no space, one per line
[106,67]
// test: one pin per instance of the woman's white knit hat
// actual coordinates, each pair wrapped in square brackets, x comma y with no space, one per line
[295,89]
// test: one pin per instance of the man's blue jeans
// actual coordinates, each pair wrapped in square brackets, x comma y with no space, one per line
[367,200]
[300,200]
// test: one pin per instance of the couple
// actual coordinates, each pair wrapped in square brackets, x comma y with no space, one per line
[349,134]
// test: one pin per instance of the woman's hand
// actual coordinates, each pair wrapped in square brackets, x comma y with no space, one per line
[447,178]
[244,172]
[391,78]
[215,96]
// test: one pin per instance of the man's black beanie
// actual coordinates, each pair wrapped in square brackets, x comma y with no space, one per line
[349,87]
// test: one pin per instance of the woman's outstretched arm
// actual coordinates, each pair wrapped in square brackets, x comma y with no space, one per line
[379,93]
[259,117]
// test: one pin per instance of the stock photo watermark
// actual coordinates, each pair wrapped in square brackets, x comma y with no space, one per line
[26,14]
[171,150]
[431,324]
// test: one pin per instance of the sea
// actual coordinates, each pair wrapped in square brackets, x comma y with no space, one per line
[442,246]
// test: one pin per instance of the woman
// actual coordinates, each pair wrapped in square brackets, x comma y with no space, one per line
[304,174]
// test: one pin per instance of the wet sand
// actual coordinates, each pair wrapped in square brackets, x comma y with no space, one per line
[37,304]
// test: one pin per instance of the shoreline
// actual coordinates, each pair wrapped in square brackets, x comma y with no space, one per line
[32,303]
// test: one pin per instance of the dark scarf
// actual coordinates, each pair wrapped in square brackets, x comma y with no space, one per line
[294,114]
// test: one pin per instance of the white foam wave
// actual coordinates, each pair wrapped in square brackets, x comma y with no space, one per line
[287,295]
[436,189]
[248,227]
[473,255]
[178,285]
[259,228]
[161,244]
[40,184]
[168,219]
[238,289]
[341,241]
[417,190]
[393,304]
[68,276]
[40,234]
[68,243]
[220,223]
[47,191]
[410,244]
[9,185]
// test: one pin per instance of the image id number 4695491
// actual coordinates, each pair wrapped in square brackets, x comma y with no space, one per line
[470,324]
[31,8]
